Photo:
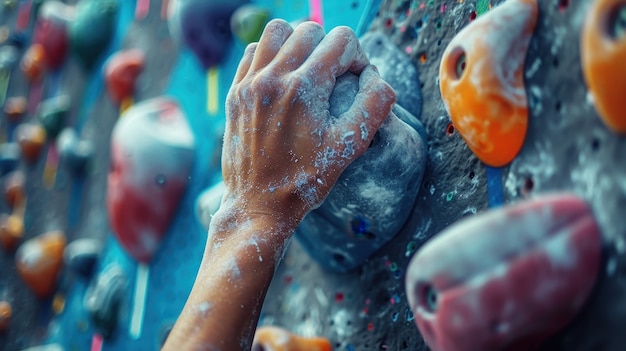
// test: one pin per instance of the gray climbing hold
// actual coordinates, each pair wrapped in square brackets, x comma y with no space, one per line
[374,196]
[75,154]
[396,68]
[208,203]
[104,299]
[9,157]
[81,256]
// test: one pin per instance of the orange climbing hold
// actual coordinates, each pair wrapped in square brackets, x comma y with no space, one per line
[14,193]
[482,83]
[278,339]
[33,63]
[11,231]
[603,53]
[39,262]
[31,138]
[5,316]
[14,108]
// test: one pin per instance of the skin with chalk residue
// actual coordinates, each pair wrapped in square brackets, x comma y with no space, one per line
[283,151]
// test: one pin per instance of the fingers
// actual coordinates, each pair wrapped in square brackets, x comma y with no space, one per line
[246,61]
[298,46]
[274,35]
[339,52]
[371,106]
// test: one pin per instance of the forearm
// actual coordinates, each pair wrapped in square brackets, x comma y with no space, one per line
[238,265]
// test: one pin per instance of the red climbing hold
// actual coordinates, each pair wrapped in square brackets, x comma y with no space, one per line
[511,276]
[152,152]
[121,72]
[51,31]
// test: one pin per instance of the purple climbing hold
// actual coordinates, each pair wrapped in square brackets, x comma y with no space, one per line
[204,26]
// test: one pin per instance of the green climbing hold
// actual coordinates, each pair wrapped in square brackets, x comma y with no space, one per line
[93,29]
[482,6]
[248,21]
[52,113]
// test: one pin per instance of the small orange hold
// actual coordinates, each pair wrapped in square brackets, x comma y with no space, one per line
[14,108]
[603,53]
[5,316]
[14,192]
[11,231]
[279,339]
[39,262]
[482,83]
[33,63]
[31,138]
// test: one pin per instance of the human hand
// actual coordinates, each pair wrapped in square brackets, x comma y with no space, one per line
[283,151]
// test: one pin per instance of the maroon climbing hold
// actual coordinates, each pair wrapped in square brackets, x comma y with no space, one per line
[510,277]
[51,32]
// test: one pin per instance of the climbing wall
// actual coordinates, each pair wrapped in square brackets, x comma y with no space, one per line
[567,148]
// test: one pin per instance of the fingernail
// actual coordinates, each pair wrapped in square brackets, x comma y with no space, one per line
[375,69]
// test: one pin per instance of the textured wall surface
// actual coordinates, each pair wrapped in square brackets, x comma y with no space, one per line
[567,148]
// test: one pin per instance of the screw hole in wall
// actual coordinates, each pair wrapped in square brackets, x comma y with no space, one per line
[472,16]
[450,129]
[339,258]
[527,186]
[595,144]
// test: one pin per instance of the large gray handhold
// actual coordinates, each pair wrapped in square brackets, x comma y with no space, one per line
[396,68]
[373,198]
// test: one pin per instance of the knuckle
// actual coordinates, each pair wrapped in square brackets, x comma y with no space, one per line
[297,83]
[261,81]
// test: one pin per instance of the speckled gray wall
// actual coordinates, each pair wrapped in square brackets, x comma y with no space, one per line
[567,148]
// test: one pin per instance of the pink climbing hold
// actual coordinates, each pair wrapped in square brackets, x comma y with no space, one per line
[506,279]
[152,153]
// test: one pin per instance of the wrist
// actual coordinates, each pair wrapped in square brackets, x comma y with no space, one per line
[236,228]
[282,213]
